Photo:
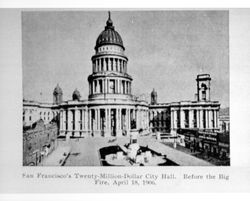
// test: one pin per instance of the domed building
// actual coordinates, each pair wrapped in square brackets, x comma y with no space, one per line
[76,96]
[111,109]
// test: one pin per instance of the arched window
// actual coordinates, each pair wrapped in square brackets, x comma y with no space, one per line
[203,91]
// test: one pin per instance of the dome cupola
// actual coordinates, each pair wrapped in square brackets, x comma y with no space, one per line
[109,36]
[57,90]
[153,97]
[76,96]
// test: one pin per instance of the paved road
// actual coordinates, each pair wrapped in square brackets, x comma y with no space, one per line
[57,157]
[85,152]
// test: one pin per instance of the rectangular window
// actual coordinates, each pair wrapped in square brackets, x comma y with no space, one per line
[112,86]
[100,85]
[195,118]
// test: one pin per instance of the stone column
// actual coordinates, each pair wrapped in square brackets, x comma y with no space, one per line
[129,121]
[143,119]
[99,65]
[109,64]
[85,118]
[113,64]
[210,114]
[104,85]
[70,122]
[172,119]
[90,120]
[102,65]
[117,66]
[117,120]
[108,120]
[182,118]
[140,118]
[116,86]
[198,118]
[137,118]
[97,86]
[191,118]
[107,85]
[120,65]
[216,118]
[107,114]
[96,66]
[64,121]
[89,88]
[99,121]
[61,120]
[119,117]
[77,123]
[96,120]
[207,119]
[201,119]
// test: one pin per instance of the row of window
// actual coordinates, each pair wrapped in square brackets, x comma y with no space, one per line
[110,86]
[110,48]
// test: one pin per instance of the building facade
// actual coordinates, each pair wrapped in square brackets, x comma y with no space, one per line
[201,113]
[111,108]
[39,140]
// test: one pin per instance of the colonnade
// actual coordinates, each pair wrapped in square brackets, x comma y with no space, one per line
[194,118]
[98,121]
[117,64]
[110,85]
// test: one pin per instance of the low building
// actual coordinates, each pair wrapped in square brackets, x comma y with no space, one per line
[39,140]
[212,143]
[224,120]
[201,113]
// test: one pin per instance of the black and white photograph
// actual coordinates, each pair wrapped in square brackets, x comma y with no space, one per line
[124,99]
[125,88]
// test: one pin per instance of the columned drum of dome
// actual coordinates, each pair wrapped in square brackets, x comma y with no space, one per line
[109,66]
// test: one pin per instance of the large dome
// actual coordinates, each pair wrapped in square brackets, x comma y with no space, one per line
[109,36]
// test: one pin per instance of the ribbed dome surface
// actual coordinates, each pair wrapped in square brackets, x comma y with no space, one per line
[109,36]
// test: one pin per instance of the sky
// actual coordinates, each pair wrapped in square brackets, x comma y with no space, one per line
[166,51]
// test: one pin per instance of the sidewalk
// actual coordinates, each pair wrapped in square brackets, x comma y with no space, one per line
[179,157]
[57,157]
